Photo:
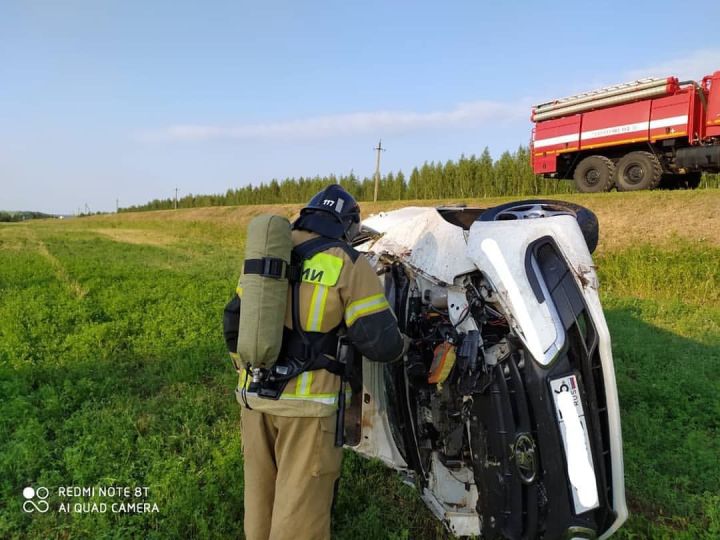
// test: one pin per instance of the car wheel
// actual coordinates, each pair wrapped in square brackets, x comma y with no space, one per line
[594,174]
[638,170]
[540,208]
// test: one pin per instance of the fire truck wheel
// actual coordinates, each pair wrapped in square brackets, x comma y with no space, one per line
[594,174]
[638,170]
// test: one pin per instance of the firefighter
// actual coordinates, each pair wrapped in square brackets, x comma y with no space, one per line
[291,462]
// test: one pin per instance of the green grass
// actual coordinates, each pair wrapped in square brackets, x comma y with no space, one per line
[113,372]
[663,310]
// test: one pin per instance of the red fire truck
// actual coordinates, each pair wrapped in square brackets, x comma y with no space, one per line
[631,136]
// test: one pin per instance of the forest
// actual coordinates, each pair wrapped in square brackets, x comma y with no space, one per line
[8,217]
[467,177]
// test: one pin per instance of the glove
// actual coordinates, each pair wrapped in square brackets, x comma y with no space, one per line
[407,342]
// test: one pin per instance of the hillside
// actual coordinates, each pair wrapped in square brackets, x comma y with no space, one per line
[625,218]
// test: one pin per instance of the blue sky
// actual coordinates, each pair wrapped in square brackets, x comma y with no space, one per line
[106,99]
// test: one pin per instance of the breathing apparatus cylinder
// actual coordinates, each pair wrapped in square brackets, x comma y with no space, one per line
[264,286]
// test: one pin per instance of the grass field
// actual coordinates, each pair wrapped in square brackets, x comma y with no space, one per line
[113,372]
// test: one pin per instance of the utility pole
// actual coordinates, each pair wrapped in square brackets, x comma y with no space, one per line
[377,169]
[117,205]
[176,191]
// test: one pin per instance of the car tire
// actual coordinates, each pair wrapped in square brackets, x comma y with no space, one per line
[594,174]
[638,170]
[538,208]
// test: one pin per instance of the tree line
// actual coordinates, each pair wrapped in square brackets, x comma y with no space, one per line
[468,177]
[10,217]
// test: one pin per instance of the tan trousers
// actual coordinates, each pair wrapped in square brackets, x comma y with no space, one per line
[291,465]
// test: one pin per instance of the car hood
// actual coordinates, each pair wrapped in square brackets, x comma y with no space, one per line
[501,250]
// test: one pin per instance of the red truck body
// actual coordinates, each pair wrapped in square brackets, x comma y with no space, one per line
[671,128]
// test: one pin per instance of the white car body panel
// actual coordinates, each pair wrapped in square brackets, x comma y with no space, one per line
[376,438]
[499,247]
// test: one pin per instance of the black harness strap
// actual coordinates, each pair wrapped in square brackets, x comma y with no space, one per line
[315,245]
[271,267]
[274,267]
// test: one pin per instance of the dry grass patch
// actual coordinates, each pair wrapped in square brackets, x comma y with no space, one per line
[658,218]
[14,237]
[136,236]
[626,219]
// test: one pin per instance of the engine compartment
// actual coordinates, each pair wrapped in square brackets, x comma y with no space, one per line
[459,338]
[446,365]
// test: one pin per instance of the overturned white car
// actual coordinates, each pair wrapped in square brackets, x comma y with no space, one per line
[505,412]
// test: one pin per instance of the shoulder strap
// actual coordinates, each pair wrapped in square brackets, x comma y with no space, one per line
[310,247]
[315,245]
